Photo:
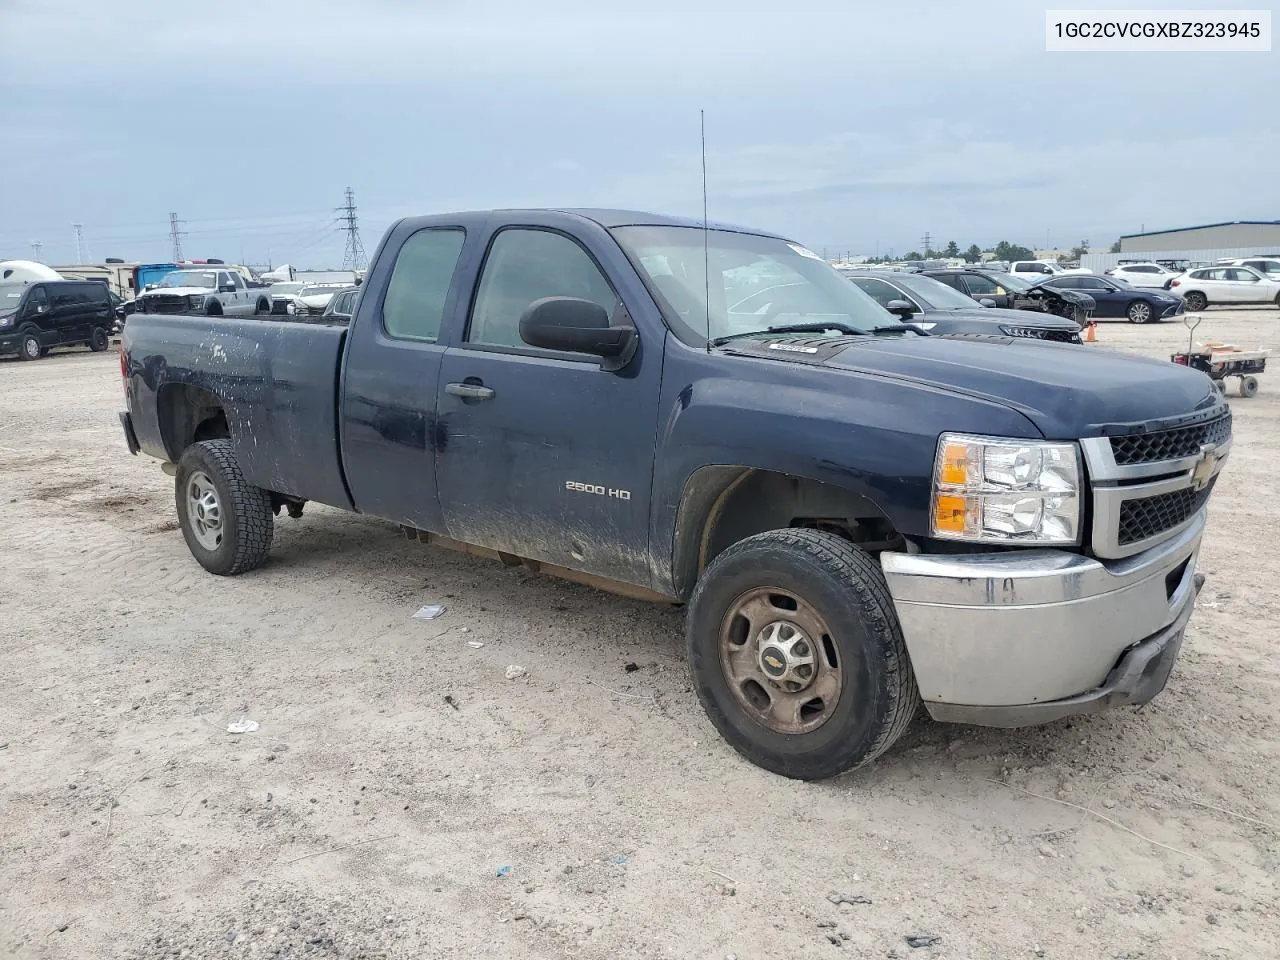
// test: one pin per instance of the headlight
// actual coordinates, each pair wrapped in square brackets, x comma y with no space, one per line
[6,321]
[196,301]
[291,307]
[987,490]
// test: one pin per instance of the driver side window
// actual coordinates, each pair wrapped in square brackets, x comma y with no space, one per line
[37,300]
[526,264]
[879,290]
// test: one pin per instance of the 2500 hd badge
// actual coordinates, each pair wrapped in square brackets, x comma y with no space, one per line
[598,490]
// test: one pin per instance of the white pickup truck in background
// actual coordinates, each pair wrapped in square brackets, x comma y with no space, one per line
[211,292]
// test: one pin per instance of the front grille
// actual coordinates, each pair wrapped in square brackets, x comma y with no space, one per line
[163,303]
[1150,516]
[1170,444]
[280,306]
[1039,333]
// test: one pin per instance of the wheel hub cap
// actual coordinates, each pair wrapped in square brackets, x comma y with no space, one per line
[780,661]
[786,655]
[204,511]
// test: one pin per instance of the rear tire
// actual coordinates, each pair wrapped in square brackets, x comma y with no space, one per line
[807,581]
[264,306]
[1248,386]
[226,521]
[99,340]
[29,347]
[1195,301]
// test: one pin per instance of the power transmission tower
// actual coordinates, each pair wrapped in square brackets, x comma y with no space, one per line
[353,258]
[36,247]
[927,239]
[79,229]
[176,233]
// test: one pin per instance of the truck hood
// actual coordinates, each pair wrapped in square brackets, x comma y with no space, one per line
[1068,392]
[178,292]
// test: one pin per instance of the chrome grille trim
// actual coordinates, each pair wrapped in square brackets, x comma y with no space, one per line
[1112,485]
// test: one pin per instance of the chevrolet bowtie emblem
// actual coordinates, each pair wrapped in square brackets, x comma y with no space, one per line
[1202,472]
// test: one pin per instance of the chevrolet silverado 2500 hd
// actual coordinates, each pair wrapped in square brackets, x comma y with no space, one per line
[859,517]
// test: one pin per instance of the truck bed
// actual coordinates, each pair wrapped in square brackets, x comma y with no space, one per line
[276,380]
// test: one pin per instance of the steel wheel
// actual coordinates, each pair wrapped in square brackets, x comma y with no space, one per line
[1139,312]
[204,510]
[31,348]
[779,661]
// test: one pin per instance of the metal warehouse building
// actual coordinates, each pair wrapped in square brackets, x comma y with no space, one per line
[1203,244]
[1211,236]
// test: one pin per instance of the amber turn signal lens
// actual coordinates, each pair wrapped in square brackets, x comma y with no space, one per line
[955,464]
[949,514]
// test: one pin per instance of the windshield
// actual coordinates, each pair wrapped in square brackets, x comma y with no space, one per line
[282,289]
[1010,282]
[10,295]
[189,278]
[935,293]
[755,282]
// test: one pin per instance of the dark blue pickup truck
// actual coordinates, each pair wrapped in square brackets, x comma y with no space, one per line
[858,516]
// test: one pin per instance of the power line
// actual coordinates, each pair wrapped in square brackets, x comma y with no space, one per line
[175,235]
[353,258]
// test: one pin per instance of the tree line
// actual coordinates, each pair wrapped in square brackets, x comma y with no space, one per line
[1004,250]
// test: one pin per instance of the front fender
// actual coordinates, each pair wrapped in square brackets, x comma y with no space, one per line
[874,436]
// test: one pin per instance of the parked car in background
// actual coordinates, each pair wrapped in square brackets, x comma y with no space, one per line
[284,296]
[1225,285]
[1029,268]
[1269,267]
[213,293]
[341,306]
[1143,274]
[1116,299]
[314,297]
[940,309]
[36,317]
[1005,290]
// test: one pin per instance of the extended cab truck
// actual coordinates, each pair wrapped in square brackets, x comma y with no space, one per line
[857,516]
[211,291]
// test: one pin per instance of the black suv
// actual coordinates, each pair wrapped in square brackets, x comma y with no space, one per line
[35,317]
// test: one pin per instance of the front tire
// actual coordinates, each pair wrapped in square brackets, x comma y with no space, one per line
[1248,387]
[1195,302]
[797,654]
[99,340]
[1139,312]
[226,521]
[29,347]
[213,310]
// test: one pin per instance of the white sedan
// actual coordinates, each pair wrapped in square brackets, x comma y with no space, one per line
[1222,285]
[1143,274]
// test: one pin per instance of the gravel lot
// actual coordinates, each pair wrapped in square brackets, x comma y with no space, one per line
[584,810]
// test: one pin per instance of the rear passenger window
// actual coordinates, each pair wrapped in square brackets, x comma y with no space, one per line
[414,306]
[525,265]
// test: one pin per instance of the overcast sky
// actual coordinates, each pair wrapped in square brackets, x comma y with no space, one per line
[848,125]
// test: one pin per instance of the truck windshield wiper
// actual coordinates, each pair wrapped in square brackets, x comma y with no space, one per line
[796,328]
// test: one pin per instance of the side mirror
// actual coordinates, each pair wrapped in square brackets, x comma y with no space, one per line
[987,302]
[41,309]
[227,288]
[900,307]
[573,325]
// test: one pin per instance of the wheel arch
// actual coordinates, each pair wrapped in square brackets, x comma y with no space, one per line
[188,414]
[721,505]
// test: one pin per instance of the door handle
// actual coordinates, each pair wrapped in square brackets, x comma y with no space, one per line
[469,391]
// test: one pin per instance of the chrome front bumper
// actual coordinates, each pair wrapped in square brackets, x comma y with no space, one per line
[1010,639]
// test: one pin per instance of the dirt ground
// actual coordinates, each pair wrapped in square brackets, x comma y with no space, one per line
[403,798]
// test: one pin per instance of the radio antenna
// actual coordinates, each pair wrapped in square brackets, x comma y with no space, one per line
[706,251]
